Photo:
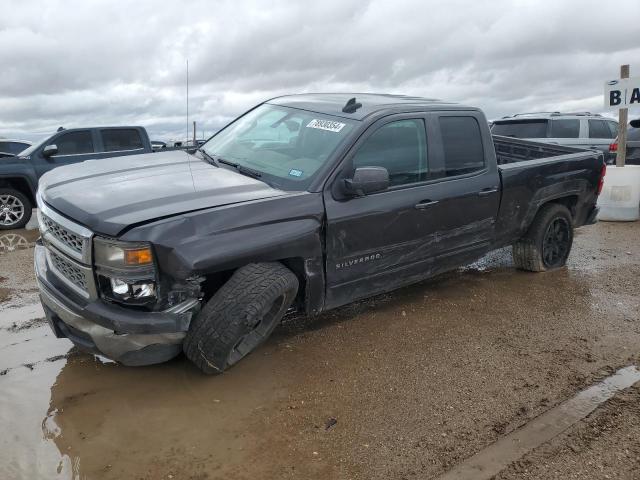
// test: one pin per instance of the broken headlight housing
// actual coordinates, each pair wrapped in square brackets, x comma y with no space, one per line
[125,271]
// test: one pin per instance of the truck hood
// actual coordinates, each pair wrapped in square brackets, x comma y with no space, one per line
[110,194]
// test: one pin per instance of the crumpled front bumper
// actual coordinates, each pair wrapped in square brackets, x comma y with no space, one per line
[126,336]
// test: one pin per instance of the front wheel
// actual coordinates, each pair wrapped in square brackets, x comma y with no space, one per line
[15,209]
[547,243]
[240,316]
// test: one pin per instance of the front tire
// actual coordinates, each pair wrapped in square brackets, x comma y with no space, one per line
[240,316]
[15,209]
[547,243]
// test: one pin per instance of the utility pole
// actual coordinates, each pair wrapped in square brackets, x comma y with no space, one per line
[194,135]
[623,119]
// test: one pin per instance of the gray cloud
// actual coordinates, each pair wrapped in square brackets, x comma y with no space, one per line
[101,62]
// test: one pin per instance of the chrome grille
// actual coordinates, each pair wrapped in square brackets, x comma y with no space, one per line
[68,249]
[68,270]
[71,240]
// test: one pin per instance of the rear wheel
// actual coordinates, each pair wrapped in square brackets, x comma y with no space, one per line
[547,243]
[15,209]
[240,316]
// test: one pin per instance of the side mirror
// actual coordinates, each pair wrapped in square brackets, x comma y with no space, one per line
[367,180]
[635,123]
[50,150]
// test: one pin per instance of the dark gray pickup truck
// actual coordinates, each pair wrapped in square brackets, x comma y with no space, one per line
[19,174]
[304,203]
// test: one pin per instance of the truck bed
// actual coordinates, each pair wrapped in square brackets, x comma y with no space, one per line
[512,150]
[534,173]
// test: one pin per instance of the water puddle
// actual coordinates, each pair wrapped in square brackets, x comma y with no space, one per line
[19,318]
[489,462]
[26,339]
[17,240]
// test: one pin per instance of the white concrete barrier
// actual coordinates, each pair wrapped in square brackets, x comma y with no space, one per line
[620,197]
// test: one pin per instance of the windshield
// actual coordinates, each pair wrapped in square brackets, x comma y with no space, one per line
[285,145]
[28,151]
[521,128]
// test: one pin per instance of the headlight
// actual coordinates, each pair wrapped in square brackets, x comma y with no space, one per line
[114,254]
[126,270]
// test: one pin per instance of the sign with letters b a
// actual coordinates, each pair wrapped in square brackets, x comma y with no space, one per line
[622,93]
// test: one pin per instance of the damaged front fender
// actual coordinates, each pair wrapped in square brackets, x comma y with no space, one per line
[205,242]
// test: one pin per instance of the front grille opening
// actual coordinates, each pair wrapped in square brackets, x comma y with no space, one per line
[71,240]
[69,270]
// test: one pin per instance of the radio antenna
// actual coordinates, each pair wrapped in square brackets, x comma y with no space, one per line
[187,136]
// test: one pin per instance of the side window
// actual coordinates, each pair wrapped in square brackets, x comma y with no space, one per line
[400,147]
[462,144]
[121,139]
[613,126]
[74,143]
[599,129]
[4,147]
[565,129]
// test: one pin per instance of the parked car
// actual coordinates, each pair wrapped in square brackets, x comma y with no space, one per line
[633,145]
[158,145]
[19,174]
[304,203]
[186,144]
[11,148]
[580,130]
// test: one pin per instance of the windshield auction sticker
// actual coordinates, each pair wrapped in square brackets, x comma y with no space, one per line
[326,125]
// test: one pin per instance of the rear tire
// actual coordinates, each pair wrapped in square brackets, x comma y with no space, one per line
[240,316]
[15,209]
[547,243]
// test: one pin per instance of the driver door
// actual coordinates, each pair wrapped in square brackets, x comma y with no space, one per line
[376,240]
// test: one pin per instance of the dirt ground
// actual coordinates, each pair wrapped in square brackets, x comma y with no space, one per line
[400,386]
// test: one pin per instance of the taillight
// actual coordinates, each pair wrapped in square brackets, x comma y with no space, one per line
[613,147]
[603,172]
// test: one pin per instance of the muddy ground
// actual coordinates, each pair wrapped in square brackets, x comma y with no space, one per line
[401,386]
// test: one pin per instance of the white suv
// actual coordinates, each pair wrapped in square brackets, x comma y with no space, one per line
[581,130]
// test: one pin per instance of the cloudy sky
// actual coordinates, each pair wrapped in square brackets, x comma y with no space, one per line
[86,62]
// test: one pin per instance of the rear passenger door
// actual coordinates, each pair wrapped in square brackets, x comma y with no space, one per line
[466,186]
[116,142]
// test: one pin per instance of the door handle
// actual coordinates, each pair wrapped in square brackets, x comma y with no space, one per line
[487,191]
[425,204]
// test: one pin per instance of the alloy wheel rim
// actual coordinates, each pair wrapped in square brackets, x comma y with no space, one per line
[555,245]
[11,210]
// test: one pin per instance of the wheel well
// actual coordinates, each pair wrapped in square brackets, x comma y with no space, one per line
[214,281]
[296,265]
[20,184]
[570,202]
